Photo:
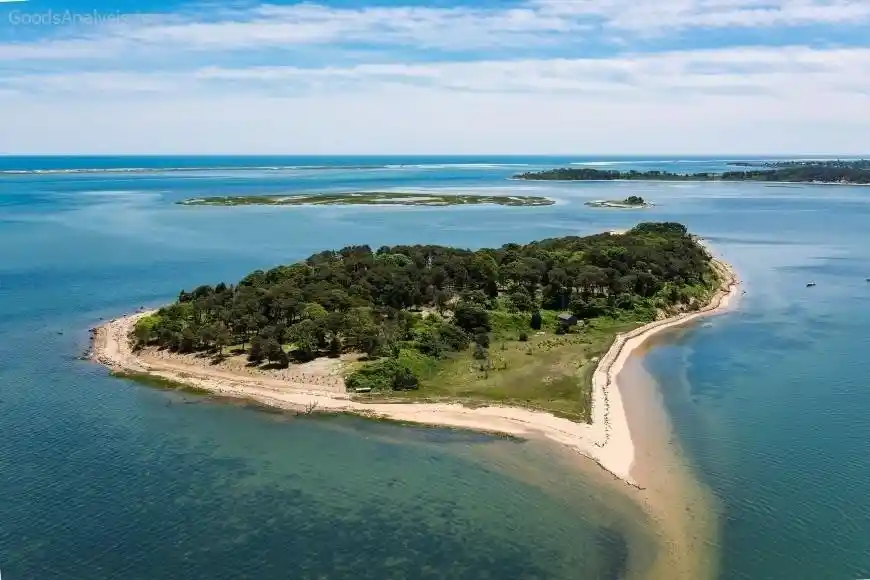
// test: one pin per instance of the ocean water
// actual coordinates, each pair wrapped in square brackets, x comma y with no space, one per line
[101,478]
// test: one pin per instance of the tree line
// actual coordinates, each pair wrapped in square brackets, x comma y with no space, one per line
[800,173]
[843,163]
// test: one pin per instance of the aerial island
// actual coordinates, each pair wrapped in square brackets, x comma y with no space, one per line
[630,202]
[856,172]
[521,339]
[373,198]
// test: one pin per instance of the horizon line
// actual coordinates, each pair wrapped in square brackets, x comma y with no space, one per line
[635,155]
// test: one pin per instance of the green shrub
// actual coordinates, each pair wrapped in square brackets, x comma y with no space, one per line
[382,375]
[453,337]
[334,347]
[469,316]
[257,352]
[429,343]
[274,352]
[405,380]
[521,300]
[144,332]
[524,336]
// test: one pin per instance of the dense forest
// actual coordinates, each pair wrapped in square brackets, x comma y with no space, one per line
[808,173]
[431,300]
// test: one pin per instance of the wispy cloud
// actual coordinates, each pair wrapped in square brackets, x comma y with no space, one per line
[537,23]
[529,73]
[779,71]
[677,14]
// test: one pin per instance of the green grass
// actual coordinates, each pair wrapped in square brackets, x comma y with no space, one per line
[372,198]
[550,372]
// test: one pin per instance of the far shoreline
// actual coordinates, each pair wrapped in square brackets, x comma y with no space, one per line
[371,198]
[606,440]
[750,181]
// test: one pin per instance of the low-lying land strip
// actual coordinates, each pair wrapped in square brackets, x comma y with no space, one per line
[373,198]
[630,202]
[856,173]
[835,163]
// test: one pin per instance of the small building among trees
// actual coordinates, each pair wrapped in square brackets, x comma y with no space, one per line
[566,319]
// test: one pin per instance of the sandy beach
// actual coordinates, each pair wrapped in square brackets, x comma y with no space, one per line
[607,440]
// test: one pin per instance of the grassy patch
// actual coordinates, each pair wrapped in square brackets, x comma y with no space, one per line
[550,372]
[373,198]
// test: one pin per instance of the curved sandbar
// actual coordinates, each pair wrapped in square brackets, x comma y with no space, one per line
[607,440]
[618,204]
[373,198]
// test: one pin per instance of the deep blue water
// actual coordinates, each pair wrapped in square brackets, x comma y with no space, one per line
[100,478]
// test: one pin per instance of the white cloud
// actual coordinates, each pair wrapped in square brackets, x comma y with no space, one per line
[245,80]
[537,23]
[299,25]
[794,100]
[675,14]
[779,70]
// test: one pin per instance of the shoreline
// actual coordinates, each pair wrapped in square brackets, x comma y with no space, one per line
[606,440]
[690,181]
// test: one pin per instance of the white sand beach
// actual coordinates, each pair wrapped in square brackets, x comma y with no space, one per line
[607,440]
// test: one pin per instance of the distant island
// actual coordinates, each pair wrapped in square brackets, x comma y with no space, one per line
[373,198]
[855,173]
[863,164]
[630,202]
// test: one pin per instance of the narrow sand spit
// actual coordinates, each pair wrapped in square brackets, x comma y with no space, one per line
[607,440]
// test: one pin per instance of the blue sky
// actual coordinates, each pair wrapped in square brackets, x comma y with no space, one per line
[404,76]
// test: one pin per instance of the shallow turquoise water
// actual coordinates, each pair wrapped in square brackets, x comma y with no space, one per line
[772,402]
[103,478]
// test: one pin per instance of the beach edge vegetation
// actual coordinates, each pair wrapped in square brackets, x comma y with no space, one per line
[524,324]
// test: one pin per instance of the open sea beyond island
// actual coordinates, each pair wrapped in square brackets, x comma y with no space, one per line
[765,430]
